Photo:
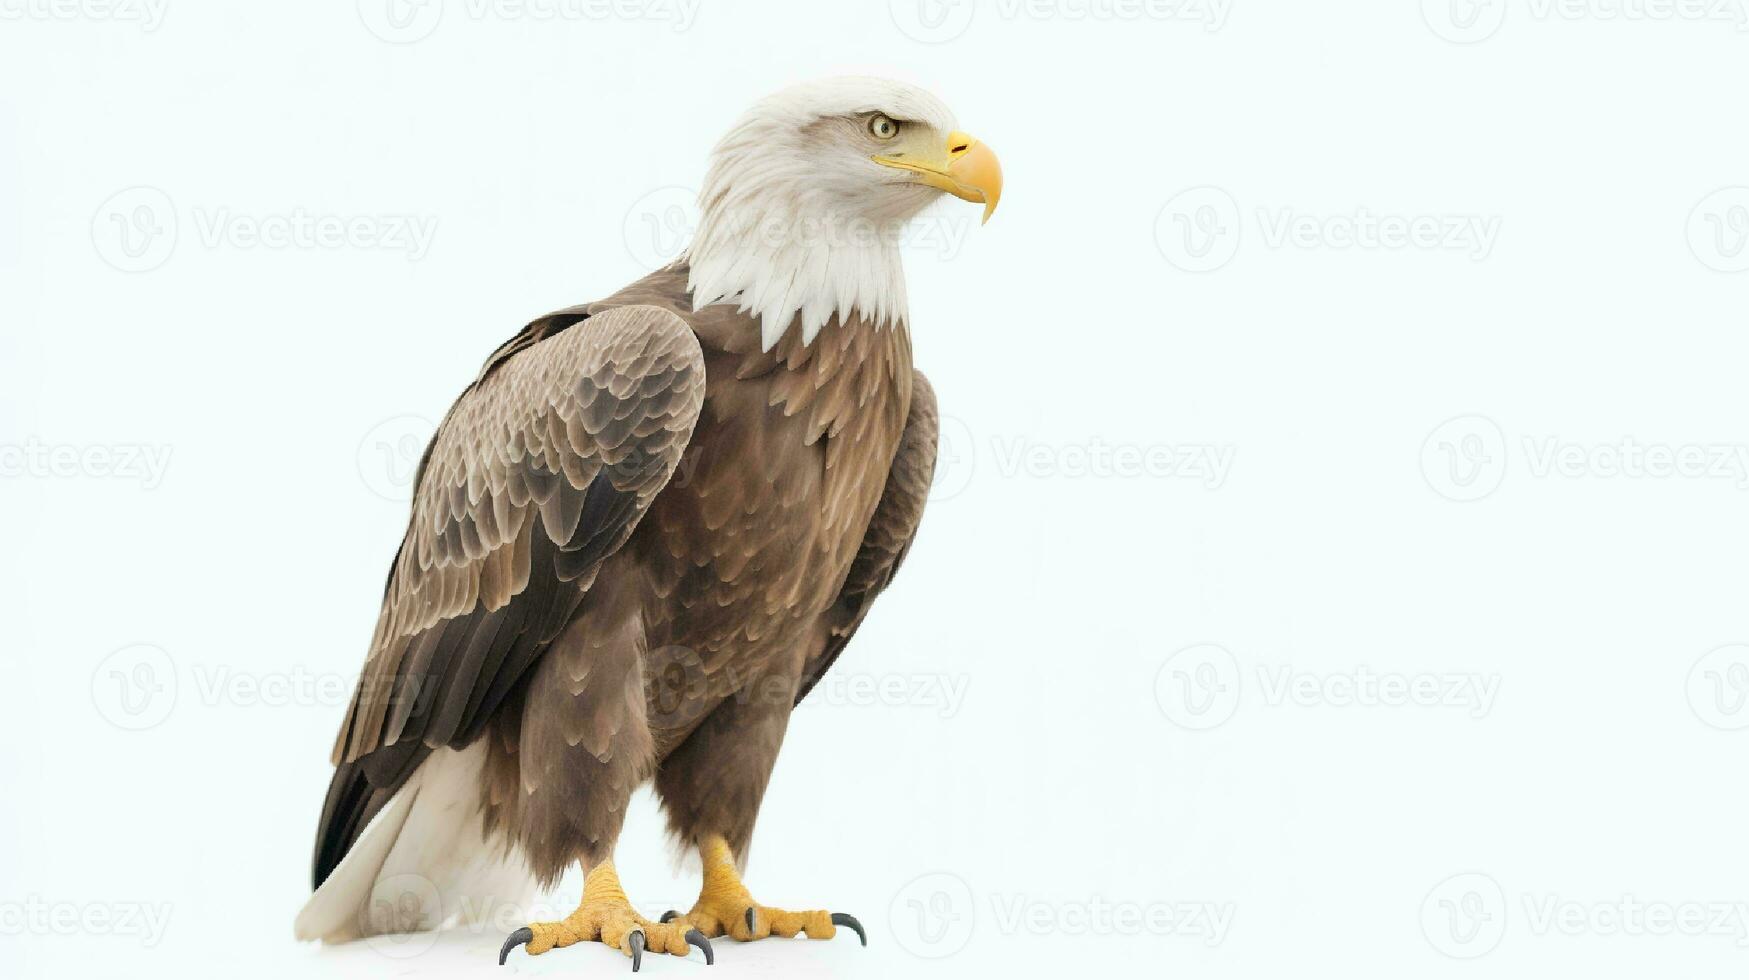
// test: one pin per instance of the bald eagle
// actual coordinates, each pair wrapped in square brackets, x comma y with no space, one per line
[641,535]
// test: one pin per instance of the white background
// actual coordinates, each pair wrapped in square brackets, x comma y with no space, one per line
[1414,649]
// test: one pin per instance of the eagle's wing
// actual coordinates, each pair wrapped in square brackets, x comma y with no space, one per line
[540,471]
[889,532]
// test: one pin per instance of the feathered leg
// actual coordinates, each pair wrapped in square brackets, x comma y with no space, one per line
[711,787]
[582,746]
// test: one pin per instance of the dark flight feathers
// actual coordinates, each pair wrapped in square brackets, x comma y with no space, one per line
[541,470]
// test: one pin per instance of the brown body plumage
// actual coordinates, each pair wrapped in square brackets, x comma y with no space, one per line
[640,576]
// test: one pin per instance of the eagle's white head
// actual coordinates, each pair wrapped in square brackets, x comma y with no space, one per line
[807,194]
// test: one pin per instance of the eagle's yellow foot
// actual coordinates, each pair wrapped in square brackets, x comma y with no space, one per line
[606,917]
[725,907]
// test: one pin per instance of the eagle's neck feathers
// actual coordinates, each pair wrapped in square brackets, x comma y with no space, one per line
[786,267]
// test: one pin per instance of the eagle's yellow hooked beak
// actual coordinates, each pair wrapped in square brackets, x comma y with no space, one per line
[965,168]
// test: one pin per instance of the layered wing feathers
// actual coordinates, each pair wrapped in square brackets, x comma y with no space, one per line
[540,471]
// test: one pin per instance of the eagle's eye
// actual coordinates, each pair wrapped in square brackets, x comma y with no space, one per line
[883,127]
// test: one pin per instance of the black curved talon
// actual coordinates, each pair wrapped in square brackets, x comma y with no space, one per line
[636,940]
[846,919]
[752,921]
[696,938]
[517,938]
[668,916]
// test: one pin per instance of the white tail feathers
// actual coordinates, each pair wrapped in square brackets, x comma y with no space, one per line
[421,863]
